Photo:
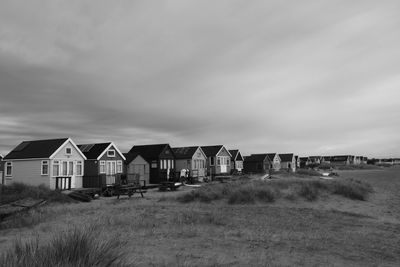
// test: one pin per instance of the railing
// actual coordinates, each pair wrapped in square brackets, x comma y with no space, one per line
[63,183]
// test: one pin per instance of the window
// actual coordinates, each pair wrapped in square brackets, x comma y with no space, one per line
[111,153]
[119,166]
[68,151]
[8,168]
[70,168]
[228,161]
[218,160]
[56,168]
[154,164]
[45,167]
[79,168]
[65,168]
[102,166]
[212,161]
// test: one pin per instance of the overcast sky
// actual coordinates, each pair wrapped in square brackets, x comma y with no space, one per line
[311,77]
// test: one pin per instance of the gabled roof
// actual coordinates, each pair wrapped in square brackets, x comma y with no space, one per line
[96,151]
[185,152]
[40,149]
[148,152]
[129,157]
[210,151]
[235,154]
[288,157]
[340,158]
[256,158]
[271,156]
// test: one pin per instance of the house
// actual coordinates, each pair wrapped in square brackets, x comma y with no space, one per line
[341,160]
[297,161]
[137,166]
[236,160]
[257,163]
[315,160]
[161,159]
[326,159]
[357,160]
[218,159]
[288,161]
[364,160]
[275,161]
[304,162]
[1,169]
[56,163]
[193,159]
[103,165]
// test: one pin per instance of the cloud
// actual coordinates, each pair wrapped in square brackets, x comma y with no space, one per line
[312,77]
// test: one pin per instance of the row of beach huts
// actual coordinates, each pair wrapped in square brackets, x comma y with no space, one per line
[62,164]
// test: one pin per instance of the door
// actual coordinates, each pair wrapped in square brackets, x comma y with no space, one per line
[111,170]
[139,169]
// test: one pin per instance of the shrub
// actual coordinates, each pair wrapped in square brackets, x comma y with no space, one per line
[352,189]
[75,248]
[308,190]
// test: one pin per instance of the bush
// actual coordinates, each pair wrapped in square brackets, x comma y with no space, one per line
[75,248]
[352,189]
[308,190]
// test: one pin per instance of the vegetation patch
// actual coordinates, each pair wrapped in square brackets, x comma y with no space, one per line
[72,248]
[17,191]
[249,192]
[307,172]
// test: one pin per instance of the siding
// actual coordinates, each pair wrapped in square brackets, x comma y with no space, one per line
[28,172]
[140,161]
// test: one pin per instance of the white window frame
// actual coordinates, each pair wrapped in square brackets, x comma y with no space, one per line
[119,166]
[111,153]
[102,166]
[68,149]
[44,163]
[79,164]
[8,165]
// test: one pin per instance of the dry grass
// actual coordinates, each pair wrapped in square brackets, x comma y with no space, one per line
[16,191]
[78,247]
[169,233]
[252,191]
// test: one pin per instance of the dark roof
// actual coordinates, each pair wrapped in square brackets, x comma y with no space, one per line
[235,153]
[211,150]
[130,156]
[35,149]
[93,151]
[149,152]
[340,158]
[286,157]
[271,156]
[256,158]
[184,152]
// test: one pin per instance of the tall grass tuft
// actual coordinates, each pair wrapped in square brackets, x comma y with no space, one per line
[249,192]
[74,248]
[18,191]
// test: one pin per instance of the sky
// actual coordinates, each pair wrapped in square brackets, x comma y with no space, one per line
[312,77]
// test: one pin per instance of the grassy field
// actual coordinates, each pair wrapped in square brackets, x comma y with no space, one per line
[163,230]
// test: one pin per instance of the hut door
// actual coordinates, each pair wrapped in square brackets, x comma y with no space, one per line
[111,167]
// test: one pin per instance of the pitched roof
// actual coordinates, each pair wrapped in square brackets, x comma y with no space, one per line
[340,158]
[256,158]
[149,152]
[235,153]
[35,149]
[130,156]
[184,152]
[288,157]
[211,150]
[271,156]
[93,151]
